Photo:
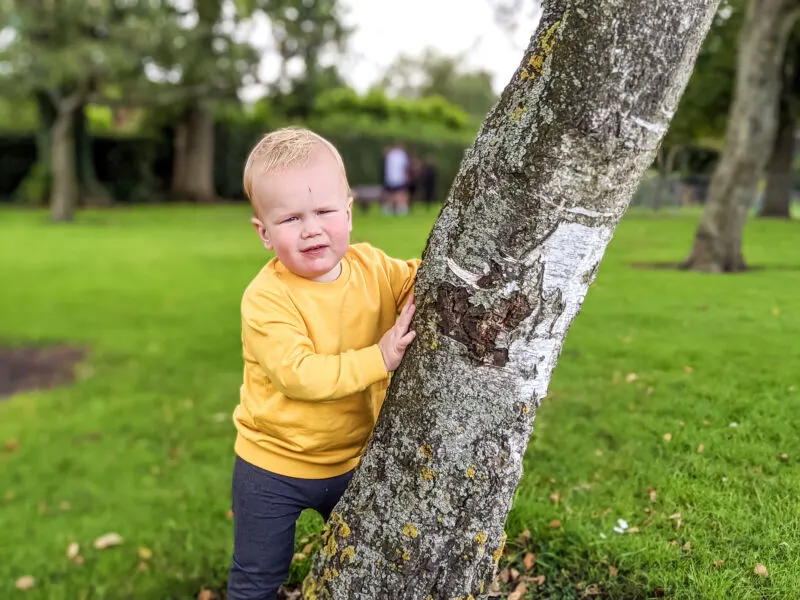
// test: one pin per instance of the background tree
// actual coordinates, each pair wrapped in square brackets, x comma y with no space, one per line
[435,74]
[505,272]
[780,174]
[752,126]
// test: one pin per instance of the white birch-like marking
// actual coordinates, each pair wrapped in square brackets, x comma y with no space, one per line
[654,127]
[463,274]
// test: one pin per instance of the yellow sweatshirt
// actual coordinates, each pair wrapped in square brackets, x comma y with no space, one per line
[314,377]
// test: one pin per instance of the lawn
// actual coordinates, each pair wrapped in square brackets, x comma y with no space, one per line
[674,408]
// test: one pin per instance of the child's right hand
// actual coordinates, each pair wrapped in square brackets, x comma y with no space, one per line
[394,342]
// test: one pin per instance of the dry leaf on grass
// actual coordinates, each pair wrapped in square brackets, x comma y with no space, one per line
[145,553]
[598,453]
[504,576]
[514,574]
[25,583]
[537,581]
[613,571]
[719,563]
[73,550]
[12,445]
[529,560]
[555,524]
[229,514]
[667,437]
[652,493]
[761,570]
[631,377]
[783,456]
[206,594]
[524,536]
[298,556]
[554,498]
[519,592]
[143,567]
[308,548]
[688,369]
[700,448]
[494,589]
[107,541]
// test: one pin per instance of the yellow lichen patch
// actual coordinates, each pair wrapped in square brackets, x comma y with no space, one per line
[337,525]
[410,531]
[331,547]
[481,587]
[526,409]
[434,344]
[330,574]
[517,114]
[349,552]
[497,554]
[404,554]
[310,588]
[471,471]
[428,474]
[426,451]
[547,43]
[480,538]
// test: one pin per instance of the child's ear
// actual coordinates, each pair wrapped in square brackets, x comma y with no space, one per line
[262,232]
[350,213]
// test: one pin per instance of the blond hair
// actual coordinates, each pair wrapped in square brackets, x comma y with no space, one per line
[284,148]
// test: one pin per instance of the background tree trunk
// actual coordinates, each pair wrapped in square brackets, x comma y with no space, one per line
[752,126]
[65,189]
[517,244]
[780,179]
[193,167]
[92,191]
[666,165]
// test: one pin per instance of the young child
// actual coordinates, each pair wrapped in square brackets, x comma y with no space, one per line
[320,336]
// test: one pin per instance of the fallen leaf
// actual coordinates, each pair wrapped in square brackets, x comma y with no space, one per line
[25,583]
[308,548]
[73,550]
[688,369]
[633,530]
[518,592]
[719,563]
[706,422]
[652,493]
[78,560]
[494,589]
[649,391]
[667,437]
[107,541]
[761,570]
[776,311]
[145,553]
[12,445]
[298,556]
[659,592]
[524,536]
[783,456]
[613,571]
[142,567]
[64,505]
[504,576]
[292,594]
[555,524]
[229,514]
[734,425]
[538,580]
[687,547]
[529,560]
[631,377]
[513,574]
[598,453]
[700,448]
[206,594]
[554,498]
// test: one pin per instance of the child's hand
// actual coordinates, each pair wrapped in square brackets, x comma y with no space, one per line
[394,342]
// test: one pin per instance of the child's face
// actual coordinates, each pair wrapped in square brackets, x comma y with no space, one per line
[305,216]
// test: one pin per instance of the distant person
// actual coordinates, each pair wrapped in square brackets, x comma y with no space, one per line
[414,175]
[320,337]
[396,165]
[428,180]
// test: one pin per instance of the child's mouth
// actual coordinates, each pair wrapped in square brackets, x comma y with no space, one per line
[315,249]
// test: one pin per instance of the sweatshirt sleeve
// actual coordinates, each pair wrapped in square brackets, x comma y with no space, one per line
[276,335]
[402,274]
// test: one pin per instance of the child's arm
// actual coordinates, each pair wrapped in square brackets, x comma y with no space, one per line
[402,274]
[278,340]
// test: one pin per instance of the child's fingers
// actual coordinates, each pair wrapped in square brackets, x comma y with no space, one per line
[407,339]
[406,315]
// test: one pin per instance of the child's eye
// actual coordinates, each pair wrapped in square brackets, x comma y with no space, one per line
[326,211]
[289,219]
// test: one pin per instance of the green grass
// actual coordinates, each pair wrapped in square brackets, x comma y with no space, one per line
[142,444]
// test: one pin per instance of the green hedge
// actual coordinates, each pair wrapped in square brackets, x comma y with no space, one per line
[137,169]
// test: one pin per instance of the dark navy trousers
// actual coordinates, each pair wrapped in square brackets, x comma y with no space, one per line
[265,509]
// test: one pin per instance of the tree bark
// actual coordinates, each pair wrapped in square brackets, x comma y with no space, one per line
[504,273]
[65,189]
[752,126]
[193,166]
[780,180]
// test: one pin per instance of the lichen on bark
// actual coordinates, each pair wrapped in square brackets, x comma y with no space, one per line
[504,274]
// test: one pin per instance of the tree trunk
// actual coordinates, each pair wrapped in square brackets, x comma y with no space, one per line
[666,164]
[752,126]
[193,167]
[780,179]
[65,189]
[505,272]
